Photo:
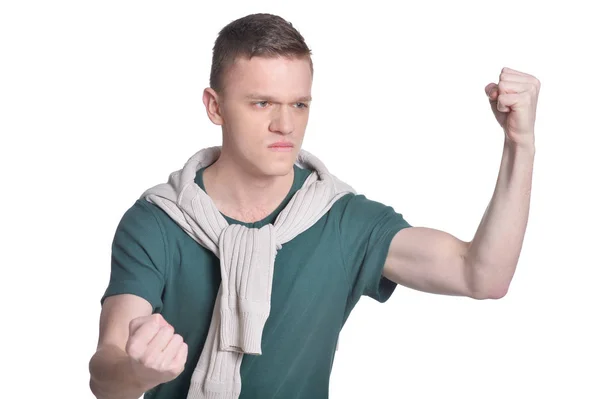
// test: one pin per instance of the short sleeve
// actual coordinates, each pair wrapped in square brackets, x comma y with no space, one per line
[367,228]
[138,258]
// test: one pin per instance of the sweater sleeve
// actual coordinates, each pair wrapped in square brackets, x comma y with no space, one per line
[367,228]
[138,258]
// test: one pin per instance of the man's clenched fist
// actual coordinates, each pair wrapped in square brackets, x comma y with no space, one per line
[157,354]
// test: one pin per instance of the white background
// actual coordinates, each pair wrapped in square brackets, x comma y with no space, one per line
[101,100]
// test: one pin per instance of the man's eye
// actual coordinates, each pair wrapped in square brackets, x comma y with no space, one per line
[301,105]
[262,104]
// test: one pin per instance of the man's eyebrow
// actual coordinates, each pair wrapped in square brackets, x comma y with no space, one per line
[257,96]
[305,99]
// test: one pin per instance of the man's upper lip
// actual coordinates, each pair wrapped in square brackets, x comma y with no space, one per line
[282,144]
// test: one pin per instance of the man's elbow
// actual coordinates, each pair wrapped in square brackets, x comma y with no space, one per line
[93,385]
[497,292]
[485,283]
[94,389]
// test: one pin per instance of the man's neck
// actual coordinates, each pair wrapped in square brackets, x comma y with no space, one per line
[242,195]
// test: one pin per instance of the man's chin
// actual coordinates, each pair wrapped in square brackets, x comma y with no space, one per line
[278,167]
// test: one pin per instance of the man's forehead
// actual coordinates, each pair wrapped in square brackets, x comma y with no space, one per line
[276,77]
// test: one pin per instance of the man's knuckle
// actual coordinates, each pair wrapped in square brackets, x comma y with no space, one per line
[176,367]
[133,349]
[162,366]
[148,361]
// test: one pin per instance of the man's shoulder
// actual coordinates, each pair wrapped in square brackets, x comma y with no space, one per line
[144,212]
[359,205]
[147,218]
[357,214]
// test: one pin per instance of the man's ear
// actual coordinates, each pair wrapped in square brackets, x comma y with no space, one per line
[211,102]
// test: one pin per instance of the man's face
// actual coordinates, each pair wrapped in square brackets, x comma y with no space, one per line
[264,108]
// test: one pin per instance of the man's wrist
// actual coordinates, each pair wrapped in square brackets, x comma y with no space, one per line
[525,146]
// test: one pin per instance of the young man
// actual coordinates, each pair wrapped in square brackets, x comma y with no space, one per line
[188,274]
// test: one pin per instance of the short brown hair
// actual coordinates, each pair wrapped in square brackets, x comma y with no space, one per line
[265,35]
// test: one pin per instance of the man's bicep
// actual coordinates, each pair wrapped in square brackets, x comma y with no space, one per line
[428,260]
[117,313]
[137,275]
[139,257]
[367,228]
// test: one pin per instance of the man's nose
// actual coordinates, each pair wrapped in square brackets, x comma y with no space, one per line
[282,122]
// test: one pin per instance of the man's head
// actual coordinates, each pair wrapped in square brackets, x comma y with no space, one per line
[260,91]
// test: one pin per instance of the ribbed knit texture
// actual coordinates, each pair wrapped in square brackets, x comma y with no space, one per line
[247,258]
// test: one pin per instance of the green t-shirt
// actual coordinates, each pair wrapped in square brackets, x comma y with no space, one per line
[319,277]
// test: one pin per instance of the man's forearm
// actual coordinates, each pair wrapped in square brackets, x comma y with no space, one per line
[111,376]
[493,253]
